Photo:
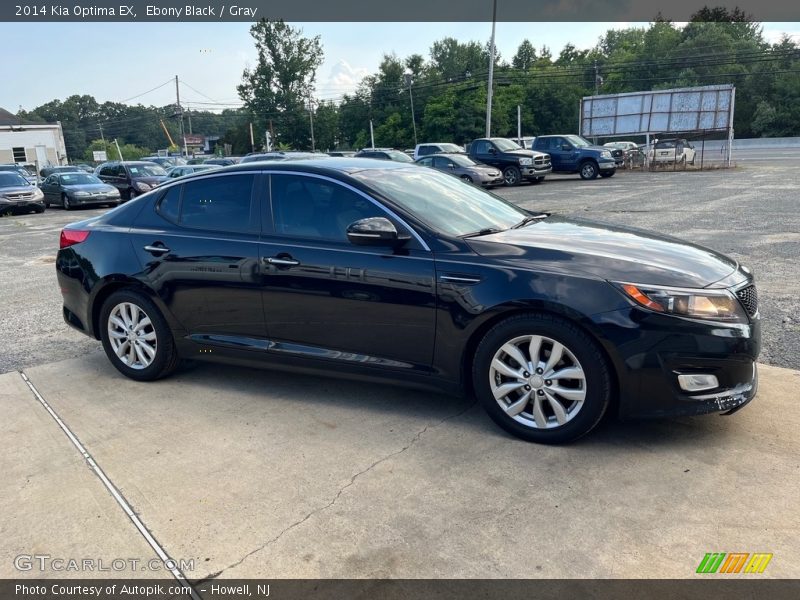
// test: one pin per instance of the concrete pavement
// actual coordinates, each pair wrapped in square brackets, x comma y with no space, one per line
[263,474]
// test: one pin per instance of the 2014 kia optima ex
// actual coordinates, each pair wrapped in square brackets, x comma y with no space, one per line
[396,272]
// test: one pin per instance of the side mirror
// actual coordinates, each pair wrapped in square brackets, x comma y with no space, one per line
[374,231]
[451,166]
[566,147]
[492,150]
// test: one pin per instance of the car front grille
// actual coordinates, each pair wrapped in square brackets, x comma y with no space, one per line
[749,298]
[20,196]
[542,161]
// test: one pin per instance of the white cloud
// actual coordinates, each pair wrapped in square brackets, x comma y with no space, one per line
[343,79]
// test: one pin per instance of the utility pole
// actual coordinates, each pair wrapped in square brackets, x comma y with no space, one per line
[411,100]
[491,74]
[371,134]
[596,80]
[180,112]
[519,125]
[311,116]
[252,141]
[102,137]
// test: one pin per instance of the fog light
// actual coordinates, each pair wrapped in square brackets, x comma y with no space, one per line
[697,382]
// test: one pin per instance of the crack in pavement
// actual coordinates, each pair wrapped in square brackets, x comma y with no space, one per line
[352,481]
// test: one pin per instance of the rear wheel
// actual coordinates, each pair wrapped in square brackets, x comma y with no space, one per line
[136,337]
[511,175]
[541,378]
[589,170]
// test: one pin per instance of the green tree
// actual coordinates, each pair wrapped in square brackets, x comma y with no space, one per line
[281,84]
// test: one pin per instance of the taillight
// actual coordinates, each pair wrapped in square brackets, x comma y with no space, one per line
[70,237]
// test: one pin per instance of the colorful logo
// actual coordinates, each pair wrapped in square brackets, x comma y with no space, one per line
[734,562]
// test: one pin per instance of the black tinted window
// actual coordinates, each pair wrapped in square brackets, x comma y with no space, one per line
[219,203]
[169,206]
[315,208]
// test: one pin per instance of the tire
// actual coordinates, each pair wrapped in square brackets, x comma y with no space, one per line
[511,176]
[66,203]
[466,178]
[607,174]
[537,409]
[154,355]
[683,161]
[537,180]
[39,211]
[46,204]
[588,170]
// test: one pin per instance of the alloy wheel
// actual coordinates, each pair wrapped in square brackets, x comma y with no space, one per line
[132,335]
[537,381]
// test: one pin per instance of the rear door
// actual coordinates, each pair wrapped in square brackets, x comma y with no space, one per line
[199,251]
[325,298]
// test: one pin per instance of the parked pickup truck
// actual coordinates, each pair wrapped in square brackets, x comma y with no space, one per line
[574,154]
[515,163]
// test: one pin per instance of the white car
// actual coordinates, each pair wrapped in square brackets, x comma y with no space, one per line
[674,150]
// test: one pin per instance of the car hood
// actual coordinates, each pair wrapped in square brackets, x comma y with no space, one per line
[17,189]
[90,187]
[607,252]
[152,179]
[524,153]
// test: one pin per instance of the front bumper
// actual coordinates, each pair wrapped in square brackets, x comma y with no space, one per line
[20,205]
[650,351]
[89,200]
[534,171]
[607,165]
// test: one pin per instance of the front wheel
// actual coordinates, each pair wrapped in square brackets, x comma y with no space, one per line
[588,170]
[511,176]
[541,378]
[466,178]
[136,337]
[65,201]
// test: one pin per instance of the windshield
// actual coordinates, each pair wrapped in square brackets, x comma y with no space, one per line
[578,141]
[463,161]
[506,145]
[146,171]
[451,148]
[443,202]
[79,179]
[400,157]
[11,179]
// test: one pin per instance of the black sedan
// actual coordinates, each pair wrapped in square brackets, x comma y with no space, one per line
[78,189]
[387,271]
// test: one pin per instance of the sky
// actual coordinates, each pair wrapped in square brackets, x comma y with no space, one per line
[121,61]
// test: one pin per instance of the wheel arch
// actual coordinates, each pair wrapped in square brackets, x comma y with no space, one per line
[575,318]
[120,282]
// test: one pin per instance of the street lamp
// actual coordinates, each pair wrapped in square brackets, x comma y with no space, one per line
[407,76]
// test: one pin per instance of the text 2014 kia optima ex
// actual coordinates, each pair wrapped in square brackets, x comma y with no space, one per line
[399,272]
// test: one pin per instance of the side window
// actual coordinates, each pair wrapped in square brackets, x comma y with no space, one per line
[169,206]
[222,203]
[425,150]
[426,162]
[556,143]
[120,172]
[441,163]
[108,171]
[315,208]
[482,147]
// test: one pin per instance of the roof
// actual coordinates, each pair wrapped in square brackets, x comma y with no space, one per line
[330,164]
[7,118]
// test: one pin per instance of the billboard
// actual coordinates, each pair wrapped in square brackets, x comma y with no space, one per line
[679,110]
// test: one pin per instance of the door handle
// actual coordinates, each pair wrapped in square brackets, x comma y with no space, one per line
[156,250]
[282,262]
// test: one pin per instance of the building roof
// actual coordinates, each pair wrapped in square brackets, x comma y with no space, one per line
[7,118]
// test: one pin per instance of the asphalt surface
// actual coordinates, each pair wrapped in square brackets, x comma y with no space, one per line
[749,212]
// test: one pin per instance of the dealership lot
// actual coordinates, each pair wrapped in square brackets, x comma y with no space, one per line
[260,474]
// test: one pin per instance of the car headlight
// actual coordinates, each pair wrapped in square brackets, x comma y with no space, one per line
[141,186]
[38,194]
[526,161]
[81,194]
[605,154]
[710,305]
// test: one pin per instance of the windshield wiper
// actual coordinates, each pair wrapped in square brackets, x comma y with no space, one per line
[527,220]
[484,231]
